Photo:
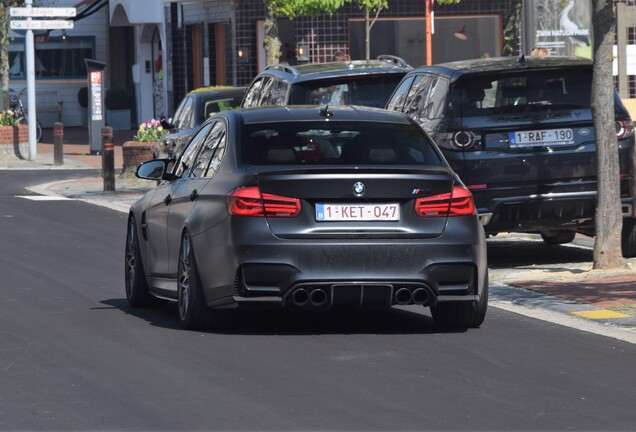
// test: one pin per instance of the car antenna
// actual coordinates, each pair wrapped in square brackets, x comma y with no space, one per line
[521,59]
[326,112]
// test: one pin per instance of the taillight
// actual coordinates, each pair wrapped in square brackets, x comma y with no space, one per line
[249,201]
[460,140]
[457,203]
[624,129]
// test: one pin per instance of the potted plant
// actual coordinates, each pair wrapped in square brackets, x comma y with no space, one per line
[82,98]
[118,102]
[14,137]
[144,146]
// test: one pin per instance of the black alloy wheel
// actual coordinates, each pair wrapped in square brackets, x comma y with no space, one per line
[136,285]
[193,312]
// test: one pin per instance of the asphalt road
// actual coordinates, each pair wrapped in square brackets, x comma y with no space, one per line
[75,356]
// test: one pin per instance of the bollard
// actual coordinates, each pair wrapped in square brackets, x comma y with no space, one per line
[108,159]
[58,143]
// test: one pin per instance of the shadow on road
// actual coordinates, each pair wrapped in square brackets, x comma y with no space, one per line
[521,253]
[293,323]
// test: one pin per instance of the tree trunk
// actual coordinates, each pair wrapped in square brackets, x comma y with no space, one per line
[609,221]
[4,55]
[367,35]
[271,42]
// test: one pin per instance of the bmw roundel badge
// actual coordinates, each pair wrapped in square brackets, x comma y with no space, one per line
[358,188]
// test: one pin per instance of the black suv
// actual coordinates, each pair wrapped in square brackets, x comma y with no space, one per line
[366,83]
[520,134]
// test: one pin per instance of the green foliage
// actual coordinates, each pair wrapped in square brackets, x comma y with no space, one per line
[82,97]
[294,8]
[8,118]
[118,98]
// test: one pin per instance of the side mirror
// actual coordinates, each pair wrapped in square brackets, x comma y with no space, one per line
[153,169]
[166,124]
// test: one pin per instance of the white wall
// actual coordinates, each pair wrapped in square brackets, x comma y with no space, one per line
[95,25]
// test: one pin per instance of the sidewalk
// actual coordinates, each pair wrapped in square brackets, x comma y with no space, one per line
[76,151]
[571,290]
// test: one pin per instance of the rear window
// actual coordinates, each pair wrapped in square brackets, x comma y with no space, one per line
[337,143]
[531,91]
[372,91]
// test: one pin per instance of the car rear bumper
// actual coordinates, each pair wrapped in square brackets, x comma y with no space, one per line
[536,212]
[261,269]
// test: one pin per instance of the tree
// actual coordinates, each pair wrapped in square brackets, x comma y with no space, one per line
[607,244]
[368,7]
[4,49]
[290,9]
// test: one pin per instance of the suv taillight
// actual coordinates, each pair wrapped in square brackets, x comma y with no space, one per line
[624,129]
[457,203]
[459,140]
[249,201]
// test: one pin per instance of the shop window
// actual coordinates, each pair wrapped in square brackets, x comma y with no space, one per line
[56,58]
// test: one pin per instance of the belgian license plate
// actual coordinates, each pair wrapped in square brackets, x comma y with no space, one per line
[357,212]
[545,137]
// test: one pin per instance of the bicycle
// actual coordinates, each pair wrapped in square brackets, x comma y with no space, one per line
[16,105]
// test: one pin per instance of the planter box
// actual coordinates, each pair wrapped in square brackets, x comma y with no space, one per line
[14,142]
[118,119]
[134,153]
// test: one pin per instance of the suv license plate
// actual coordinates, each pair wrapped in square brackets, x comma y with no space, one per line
[357,212]
[547,137]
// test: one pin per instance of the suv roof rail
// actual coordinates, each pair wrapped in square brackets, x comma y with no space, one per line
[283,67]
[393,59]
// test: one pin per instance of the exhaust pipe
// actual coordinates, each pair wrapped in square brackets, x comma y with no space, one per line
[403,296]
[318,297]
[300,297]
[421,296]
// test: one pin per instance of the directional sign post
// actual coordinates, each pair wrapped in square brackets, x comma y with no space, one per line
[29,24]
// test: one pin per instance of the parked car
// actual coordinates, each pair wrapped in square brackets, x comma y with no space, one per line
[520,134]
[192,111]
[307,208]
[366,83]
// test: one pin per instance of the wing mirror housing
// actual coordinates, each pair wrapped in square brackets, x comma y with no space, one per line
[155,169]
[165,123]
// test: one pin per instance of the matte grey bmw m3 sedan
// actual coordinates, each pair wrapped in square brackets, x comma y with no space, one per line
[307,208]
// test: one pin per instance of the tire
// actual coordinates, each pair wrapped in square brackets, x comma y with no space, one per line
[628,238]
[38,127]
[558,237]
[136,285]
[38,131]
[193,312]
[462,314]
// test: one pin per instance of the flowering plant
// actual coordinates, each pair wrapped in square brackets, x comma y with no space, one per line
[8,118]
[150,131]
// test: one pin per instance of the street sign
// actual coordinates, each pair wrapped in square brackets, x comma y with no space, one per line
[29,24]
[62,12]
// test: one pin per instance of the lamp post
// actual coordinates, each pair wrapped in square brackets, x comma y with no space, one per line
[463,35]
[429,31]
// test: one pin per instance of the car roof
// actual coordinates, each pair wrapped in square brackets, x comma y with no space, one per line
[318,71]
[457,69]
[218,91]
[274,114]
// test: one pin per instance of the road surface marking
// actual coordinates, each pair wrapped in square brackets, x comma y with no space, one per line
[44,198]
[599,314]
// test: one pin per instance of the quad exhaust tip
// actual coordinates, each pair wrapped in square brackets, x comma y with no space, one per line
[418,296]
[301,297]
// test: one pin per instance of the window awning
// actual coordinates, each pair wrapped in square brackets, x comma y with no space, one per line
[131,12]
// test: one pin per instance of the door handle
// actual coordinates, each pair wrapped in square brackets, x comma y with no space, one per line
[194,195]
[168,199]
